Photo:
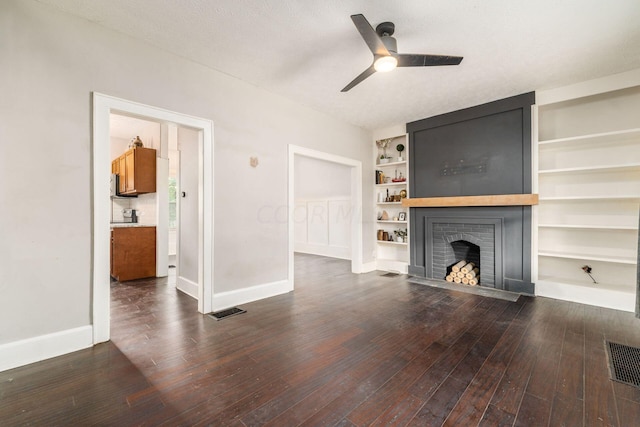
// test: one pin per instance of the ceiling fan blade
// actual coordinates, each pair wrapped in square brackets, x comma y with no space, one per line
[417,60]
[369,35]
[366,73]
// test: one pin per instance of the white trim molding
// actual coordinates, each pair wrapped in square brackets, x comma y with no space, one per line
[103,106]
[31,350]
[368,267]
[224,300]
[356,201]
[187,286]
[324,250]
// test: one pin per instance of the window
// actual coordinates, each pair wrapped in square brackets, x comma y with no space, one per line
[172,203]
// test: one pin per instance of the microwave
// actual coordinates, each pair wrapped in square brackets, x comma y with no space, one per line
[115,188]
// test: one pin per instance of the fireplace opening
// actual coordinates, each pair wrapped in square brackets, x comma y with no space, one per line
[476,240]
[466,267]
[466,251]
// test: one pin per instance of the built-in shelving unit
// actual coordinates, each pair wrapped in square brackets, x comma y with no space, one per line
[587,163]
[391,255]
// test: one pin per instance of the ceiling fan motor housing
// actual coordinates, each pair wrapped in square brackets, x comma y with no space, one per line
[385,29]
[390,43]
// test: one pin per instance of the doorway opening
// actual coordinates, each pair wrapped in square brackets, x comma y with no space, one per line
[353,206]
[103,107]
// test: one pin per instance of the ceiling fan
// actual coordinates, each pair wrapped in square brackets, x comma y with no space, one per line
[385,51]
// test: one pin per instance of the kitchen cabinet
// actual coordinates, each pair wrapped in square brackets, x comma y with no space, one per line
[122,182]
[133,252]
[137,170]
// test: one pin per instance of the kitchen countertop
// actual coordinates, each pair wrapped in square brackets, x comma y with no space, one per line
[129,224]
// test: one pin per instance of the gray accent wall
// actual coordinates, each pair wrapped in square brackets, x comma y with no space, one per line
[482,150]
[476,151]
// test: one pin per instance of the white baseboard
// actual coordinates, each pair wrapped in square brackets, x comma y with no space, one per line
[31,350]
[187,286]
[392,265]
[323,250]
[229,299]
[606,298]
[368,267]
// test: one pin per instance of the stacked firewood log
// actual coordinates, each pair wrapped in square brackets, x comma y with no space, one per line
[464,272]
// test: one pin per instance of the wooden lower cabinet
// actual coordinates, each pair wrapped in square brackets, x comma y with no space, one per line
[133,253]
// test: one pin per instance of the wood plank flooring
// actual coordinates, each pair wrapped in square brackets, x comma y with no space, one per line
[342,350]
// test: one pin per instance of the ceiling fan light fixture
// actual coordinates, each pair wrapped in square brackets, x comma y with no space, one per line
[385,63]
[385,51]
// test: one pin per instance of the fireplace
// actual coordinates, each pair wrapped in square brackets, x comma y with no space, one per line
[473,240]
[499,238]
[470,180]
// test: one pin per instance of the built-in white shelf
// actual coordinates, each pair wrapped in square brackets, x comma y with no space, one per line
[391,184]
[589,227]
[391,222]
[608,168]
[586,257]
[588,283]
[594,198]
[404,162]
[384,242]
[600,138]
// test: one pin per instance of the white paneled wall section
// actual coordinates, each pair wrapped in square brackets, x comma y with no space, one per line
[323,208]
[323,227]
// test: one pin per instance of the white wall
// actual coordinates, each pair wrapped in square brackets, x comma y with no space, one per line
[188,215]
[323,208]
[118,147]
[51,63]
[319,179]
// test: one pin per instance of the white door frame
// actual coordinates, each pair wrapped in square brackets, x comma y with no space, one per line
[103,106]
[356,201]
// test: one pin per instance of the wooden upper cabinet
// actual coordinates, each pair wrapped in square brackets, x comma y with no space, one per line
[122,183]
[130,171]
[115,166]
[137,169]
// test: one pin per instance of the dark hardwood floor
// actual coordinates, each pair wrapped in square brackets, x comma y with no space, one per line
[342,350]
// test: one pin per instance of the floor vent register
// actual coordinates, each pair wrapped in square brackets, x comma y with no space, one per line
[224,314]
[624,363]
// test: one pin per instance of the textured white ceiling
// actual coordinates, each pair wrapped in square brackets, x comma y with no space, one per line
[309,50]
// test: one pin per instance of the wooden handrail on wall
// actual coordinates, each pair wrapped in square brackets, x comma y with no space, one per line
[465,201]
